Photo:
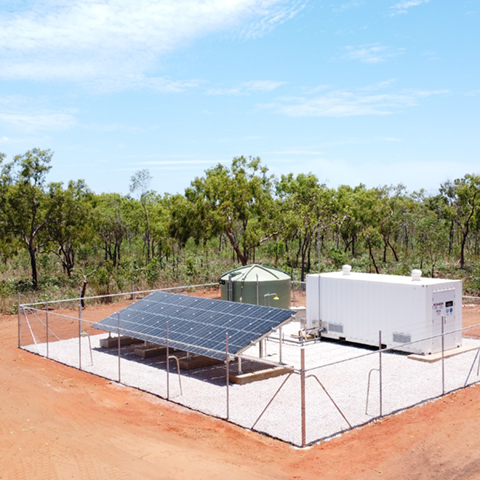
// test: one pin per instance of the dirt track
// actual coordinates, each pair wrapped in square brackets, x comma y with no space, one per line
[57,422]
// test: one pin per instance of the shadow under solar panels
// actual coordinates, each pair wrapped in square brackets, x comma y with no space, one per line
[195,325]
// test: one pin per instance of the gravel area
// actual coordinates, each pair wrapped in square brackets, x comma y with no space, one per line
[336,383]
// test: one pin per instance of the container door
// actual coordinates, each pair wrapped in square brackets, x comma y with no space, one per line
[443,305]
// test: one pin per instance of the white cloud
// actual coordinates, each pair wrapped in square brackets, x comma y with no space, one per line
[37,121]
[247,87]
[404,5]
[117,43]
[346,103]
[371,53]
[349,5]
[21,114]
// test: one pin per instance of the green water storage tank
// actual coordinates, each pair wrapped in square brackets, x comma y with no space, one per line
[257,285]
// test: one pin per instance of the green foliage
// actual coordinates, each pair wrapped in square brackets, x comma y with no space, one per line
[53,238]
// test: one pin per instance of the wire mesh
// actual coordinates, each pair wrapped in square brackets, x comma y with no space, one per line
[345,385]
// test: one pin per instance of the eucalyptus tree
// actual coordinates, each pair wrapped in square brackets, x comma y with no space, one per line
[347,211]
[393,204]
[160,221]
[432,238]
[369,211]
[110,224]
[27,202]
[71,222]
[306,210]
[140,184]
[235,202]
[461,199]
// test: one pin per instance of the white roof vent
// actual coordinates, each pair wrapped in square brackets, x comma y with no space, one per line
[416,275]
[346,269]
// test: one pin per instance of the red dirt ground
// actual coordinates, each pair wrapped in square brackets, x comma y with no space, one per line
[57,422]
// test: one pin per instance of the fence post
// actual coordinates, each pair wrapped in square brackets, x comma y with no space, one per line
[280,340]
[80,334]
[443,356]
[380,370]
[119,345]
[133,292]
[46,323]
[168,367]
[19,324]
[302,395]
[227,374]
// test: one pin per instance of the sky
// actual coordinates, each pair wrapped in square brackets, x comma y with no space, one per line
[378,92]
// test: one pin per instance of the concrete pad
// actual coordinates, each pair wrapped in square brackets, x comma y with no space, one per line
[111,342]
[435,357]
[243,378]
[150,351]
[197,361]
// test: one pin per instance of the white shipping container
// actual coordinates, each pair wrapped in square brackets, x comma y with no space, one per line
[356,306]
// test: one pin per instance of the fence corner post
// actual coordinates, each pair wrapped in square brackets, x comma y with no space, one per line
[19,324]
[80,333]
[443,354]
[380,372]
[119,344]
[302,395]
[168,362]
[227,375]
[46,326]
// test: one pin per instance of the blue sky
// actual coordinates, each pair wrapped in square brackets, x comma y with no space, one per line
[360,91]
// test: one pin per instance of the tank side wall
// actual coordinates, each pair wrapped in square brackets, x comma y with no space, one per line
[247,293]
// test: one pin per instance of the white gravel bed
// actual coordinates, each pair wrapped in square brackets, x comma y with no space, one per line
[405,382]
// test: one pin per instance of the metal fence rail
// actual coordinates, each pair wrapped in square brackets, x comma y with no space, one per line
[329,389]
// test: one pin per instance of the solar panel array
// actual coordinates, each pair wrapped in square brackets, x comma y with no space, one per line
[196,325]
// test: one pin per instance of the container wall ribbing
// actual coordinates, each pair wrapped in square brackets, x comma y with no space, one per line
[355,307]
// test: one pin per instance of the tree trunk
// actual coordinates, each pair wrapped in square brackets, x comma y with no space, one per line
[243,260]
[462,249]
[394,252]
[33,264]
[370,251]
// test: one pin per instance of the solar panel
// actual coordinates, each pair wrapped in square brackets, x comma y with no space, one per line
[196,325]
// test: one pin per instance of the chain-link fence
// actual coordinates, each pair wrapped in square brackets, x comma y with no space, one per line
[327,388]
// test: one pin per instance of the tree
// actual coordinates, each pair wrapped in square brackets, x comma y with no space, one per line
[71,222]
[140,183]
[27,202]
[234,202]
[306,210]
[433,238]
[461,201]
[110,224]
